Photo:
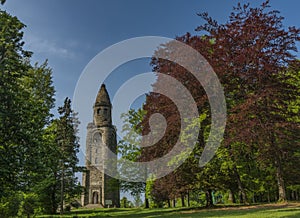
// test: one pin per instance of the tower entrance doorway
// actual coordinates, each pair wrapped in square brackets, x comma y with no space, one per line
[95,198]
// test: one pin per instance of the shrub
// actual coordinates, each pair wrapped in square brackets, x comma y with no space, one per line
[10,204]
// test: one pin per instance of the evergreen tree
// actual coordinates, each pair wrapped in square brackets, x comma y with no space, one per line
[68,146]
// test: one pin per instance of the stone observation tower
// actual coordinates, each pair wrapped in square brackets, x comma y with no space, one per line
[100,188]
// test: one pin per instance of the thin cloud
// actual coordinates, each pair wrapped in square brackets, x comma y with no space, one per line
[47,47]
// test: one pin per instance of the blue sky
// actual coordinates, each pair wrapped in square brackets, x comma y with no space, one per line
[69,33]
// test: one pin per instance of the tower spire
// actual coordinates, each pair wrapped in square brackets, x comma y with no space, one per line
[102,98]
[102,108]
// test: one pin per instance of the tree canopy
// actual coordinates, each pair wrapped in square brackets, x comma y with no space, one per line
[253,55]
[31,143]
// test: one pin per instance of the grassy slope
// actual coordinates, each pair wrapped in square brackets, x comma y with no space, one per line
[291,210]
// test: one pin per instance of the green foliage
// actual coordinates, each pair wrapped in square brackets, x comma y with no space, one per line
[13,127]
[129,148]
[10,204]
[129,145]
[68,147]
[27,96]
[29,205]
[137,200]
[60,146]
[125,203]
[253,57]
[36,158]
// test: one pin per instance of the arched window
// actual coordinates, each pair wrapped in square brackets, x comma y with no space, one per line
[98,111]
[96,138]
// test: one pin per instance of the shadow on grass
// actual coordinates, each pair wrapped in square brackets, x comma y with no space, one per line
[96,210]
[216,211]
[203,212]
[246,212]
[184,212]
[220,213]
[134,213]
[294,215]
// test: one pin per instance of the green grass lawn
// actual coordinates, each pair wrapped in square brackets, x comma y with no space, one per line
[291,210]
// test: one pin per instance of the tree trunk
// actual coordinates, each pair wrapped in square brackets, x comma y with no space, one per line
[169,203]
[253,198]
[182,200]
[243,196]
[293,195]
[280,182]
[231,197]
[279,173]
[53,197]
[188,199]
[209,198]
[62,191]
[174,203]
[146,202]
[53,201]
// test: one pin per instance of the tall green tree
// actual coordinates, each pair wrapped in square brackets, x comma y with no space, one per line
[48,187]
[27,96]
[68,146]
[129,148]
[58,185]
[12,105]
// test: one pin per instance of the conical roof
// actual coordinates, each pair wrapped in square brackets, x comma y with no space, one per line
[102,98]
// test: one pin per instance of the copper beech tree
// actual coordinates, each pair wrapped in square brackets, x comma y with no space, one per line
[254,58]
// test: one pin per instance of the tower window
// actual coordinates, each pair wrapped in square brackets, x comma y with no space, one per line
[96,160]
[98,111]
[105,111]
